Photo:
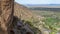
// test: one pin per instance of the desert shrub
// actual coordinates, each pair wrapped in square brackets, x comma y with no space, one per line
[52,24]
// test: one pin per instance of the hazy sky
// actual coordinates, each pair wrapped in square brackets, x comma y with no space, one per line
[38,1]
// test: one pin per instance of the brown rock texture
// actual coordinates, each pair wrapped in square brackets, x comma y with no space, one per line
[22,11]
[6,15]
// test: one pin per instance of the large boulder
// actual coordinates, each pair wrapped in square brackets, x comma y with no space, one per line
[6,14]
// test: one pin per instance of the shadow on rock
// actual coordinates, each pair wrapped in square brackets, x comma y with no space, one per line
[19,27]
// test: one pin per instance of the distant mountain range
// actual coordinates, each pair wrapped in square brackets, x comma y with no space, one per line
[51,7]
[43,5]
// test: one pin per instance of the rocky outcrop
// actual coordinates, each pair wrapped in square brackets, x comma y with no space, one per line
[11,24]
[20,28]
[22,11]
[6,15]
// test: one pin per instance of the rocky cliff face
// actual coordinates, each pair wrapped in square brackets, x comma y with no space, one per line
[6,14]
[21,13]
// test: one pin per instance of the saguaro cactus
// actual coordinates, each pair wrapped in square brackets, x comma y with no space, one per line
[6,14]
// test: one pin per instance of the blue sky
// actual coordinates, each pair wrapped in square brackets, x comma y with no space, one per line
[38,1]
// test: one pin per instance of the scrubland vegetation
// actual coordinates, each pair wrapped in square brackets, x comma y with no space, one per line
[51,20]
